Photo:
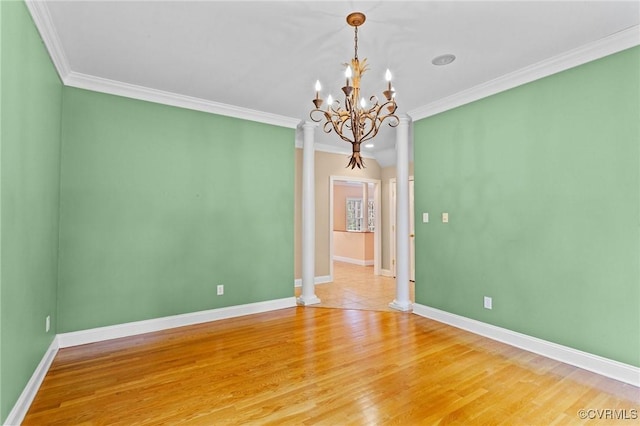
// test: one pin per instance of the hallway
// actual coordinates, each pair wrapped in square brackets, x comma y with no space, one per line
[355,287]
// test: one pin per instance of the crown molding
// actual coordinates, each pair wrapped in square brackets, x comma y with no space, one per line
[112,87]
[606,46]
[42,19]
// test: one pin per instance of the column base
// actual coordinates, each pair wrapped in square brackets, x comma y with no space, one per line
[304,301]
[401,306]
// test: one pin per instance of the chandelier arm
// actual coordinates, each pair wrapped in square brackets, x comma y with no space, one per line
[394,120]
[373,128]
[314,111]
[353,123]
[391,106]
[344,120]
[337,126]
[374,120]
[371,112]
[343,137]
[374,110]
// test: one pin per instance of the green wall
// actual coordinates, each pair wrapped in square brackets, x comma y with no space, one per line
[30,168]
[541,183]
[139,210]
[160,204]
[117,210]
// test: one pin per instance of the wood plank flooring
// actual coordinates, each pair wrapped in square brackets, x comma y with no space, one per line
[355,287]
[302,366]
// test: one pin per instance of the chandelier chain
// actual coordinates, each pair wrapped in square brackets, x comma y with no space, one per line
[355,39]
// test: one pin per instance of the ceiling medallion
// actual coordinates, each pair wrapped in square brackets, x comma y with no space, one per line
[358,120]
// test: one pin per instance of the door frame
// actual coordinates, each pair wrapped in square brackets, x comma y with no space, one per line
[392,227]
[377,240]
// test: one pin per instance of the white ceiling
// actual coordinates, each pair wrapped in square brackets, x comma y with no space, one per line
[267,55]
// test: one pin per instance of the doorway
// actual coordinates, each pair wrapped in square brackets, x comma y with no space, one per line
[412,233]
[354,222]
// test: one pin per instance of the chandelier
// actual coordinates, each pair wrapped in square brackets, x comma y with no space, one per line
[357,120]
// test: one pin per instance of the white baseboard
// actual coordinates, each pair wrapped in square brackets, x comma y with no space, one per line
[386,272]
[354,261]
[19,410]
[83,337]
[100,334]
[606,367]
[317,280]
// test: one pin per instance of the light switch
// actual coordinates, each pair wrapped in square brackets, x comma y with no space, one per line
[445,217]
[425,217]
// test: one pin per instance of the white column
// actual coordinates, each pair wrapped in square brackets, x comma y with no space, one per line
[402,301]
[308,296]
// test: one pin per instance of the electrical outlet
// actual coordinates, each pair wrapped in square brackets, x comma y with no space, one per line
[220,290]
[425,217]
[47,324]
[488,302]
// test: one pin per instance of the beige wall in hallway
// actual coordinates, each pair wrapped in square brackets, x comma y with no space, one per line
[326,165]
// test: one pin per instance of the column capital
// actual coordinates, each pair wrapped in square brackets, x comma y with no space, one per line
[305,135]
[404,119]
[307,124]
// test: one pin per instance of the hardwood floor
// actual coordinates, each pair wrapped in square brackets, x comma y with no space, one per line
[308,366]
[355,287]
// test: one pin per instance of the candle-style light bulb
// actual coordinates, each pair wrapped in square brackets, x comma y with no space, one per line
[348,73]
[387,76]
[329,102]
[318,88]
[363,103]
